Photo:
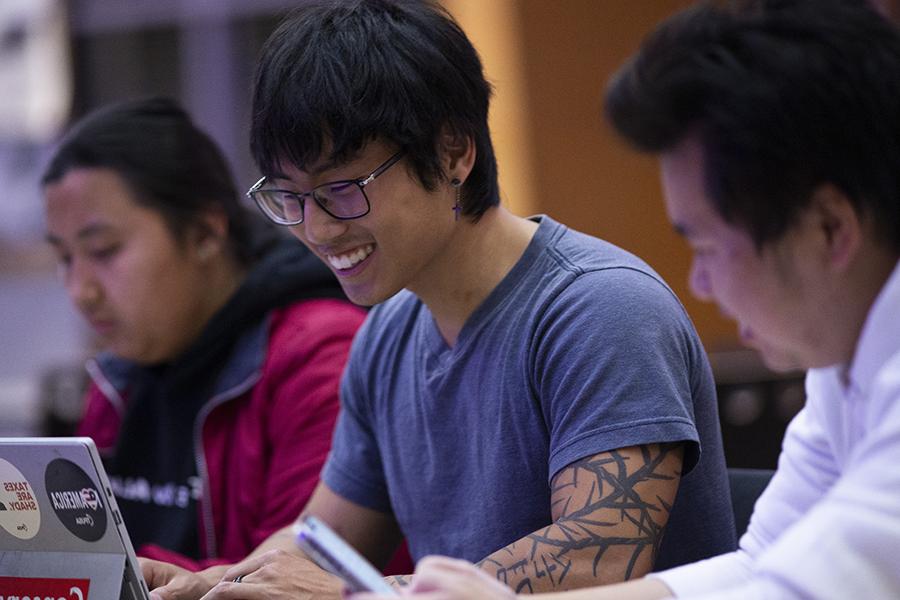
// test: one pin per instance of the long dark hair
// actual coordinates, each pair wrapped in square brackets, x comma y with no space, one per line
[170,165]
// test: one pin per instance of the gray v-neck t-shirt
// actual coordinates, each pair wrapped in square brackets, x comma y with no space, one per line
[581,349]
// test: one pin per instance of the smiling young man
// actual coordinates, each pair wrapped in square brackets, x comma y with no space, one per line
[522,394]
[778,127]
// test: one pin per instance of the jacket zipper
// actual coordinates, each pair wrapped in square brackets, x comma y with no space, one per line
[200,454]
[106,387]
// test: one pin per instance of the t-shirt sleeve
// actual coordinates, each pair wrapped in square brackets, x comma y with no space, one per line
[354,469]
[614,365]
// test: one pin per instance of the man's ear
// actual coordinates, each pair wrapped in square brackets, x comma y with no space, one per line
[839,226]
[457,154]
[209,234]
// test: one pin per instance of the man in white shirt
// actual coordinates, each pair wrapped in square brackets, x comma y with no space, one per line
[778,127]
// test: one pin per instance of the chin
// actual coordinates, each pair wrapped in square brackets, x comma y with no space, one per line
[365,297]
[782,362]
[365,301]
[141,356]
[135,357]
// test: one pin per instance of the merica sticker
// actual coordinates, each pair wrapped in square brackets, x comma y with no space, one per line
[75,499]
[43,588]
[20,513]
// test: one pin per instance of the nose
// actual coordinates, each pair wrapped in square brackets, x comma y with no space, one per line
[698,281]
[81,285]
[318,227]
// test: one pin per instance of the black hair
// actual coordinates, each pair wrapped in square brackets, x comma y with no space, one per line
[337,74]
[783,96]
[168,163]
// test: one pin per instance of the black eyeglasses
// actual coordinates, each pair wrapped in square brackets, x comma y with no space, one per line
[343,200]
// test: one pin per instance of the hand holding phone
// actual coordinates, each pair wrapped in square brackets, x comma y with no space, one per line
[336,556]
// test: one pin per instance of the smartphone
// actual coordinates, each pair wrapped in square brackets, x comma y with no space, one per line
[338,557]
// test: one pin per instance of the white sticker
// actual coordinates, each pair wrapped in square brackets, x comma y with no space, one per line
[20,513]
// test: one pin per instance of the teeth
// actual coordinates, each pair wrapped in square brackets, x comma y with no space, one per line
[346,261]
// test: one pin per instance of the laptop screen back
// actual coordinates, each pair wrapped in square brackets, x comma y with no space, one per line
[61,535]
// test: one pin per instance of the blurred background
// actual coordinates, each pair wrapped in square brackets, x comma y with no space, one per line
[548,61]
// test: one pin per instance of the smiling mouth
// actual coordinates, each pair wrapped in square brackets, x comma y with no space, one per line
[342,262]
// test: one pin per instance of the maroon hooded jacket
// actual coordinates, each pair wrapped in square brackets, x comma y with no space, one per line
[264,439]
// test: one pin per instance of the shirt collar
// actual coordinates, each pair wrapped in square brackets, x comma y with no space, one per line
[880,337]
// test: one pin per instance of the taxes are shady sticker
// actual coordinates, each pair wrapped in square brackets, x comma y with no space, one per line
[20,513]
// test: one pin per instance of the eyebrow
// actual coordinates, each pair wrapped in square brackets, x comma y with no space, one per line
[318,170]
[86,232]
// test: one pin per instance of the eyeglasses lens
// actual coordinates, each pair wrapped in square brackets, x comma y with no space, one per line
[343,199]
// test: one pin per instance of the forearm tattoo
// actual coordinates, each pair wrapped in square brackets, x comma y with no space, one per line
[610,511]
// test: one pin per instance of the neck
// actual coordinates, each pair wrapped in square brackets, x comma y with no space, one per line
[479,256]
[869,278]
[223,277]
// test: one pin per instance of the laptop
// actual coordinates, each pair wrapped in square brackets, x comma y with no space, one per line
[61,533]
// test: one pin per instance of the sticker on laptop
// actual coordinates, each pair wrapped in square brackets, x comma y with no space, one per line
[20,513]
[75,499]
[44,588]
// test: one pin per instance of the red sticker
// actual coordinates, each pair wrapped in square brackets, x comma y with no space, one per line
[44,588]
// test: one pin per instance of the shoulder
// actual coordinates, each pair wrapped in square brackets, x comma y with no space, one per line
[618,296]
[603,273]
[607,299]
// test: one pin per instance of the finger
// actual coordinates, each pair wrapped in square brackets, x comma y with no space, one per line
[436,572]
[153,574]
[162,593]
[406,593]
[170,591]
[224,590]
[251,565]
[229,590]
[444,563]
[440,578]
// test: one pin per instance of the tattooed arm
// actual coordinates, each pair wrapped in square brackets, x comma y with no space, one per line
[609,512]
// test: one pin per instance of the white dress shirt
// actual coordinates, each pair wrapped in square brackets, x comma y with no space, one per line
[828,525]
